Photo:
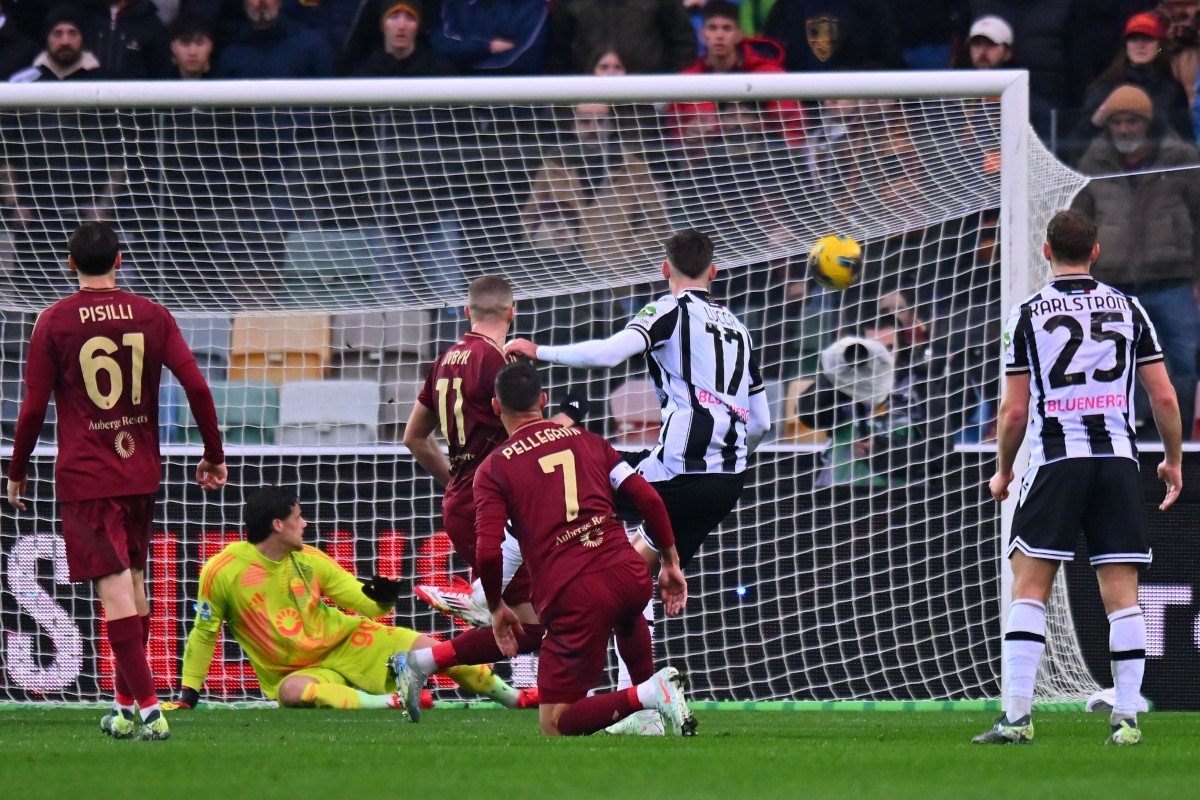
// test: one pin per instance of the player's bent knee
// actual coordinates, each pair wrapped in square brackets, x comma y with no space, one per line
[422,642]
[291,691]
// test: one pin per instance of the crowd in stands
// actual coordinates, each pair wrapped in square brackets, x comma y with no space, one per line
[1113,87]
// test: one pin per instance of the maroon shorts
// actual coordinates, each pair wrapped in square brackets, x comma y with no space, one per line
[458,515]
[582,619]
[107,535]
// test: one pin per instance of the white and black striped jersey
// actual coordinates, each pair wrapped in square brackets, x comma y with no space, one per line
[702,362]
[1082,341]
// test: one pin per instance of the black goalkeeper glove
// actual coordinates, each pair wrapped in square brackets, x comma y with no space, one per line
[575,405]
[186,701]
[384,591]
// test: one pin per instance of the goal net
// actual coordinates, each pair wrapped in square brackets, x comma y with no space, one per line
[315,241]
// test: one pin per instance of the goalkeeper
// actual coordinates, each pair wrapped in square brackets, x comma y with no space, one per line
[305,652]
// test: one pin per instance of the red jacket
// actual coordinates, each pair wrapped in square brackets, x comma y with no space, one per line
[686,120]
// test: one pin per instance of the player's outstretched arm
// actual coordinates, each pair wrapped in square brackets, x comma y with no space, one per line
[597,353]
[1165,407]
[1010,432]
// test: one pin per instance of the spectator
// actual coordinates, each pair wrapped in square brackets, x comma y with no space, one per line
[64,58]
[493,37]
[402,53]
[990,46]
[727,50]
[594,199]
[1051,42]
[16,49]
[128,38]
[826,35]
[653,35]
[607,62]
[191,47]
[1149,225]
[929,31]
[1141,62]
[1183,42]
[270,46]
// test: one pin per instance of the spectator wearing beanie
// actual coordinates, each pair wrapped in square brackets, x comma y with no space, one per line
[402,53]
[64,58]
[1142,62]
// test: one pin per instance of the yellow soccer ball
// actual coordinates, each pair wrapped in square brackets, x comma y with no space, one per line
[835,262]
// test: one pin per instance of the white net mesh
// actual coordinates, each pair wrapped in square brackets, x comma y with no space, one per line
[317,257]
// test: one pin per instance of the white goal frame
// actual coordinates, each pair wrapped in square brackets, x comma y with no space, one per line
[1018,243]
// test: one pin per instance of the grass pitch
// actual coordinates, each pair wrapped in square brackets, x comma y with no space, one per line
[494,754]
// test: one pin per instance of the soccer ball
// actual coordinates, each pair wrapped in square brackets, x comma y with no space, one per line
[835,262]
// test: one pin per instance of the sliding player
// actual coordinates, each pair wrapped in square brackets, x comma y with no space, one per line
[101,351]
[268,589]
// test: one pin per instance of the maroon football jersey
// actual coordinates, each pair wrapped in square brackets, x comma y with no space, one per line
[554,484]
[101,352]
[459,389]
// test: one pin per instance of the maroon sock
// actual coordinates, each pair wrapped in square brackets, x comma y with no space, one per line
[637,650]
[124,696]
[595,713]
[125,638]
[479,646]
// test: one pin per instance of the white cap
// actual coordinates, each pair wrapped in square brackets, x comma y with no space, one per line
[994,29]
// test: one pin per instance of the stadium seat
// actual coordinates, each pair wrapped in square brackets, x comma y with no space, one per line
[328,412]
[398,395]
[382,337]
[791,429]
[331,265]
[248,413]
[279,349]
[209,339]
[637,413]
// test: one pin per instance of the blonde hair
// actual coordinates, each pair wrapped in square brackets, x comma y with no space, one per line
[489,297]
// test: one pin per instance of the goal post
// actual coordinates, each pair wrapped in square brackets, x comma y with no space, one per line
[315,240]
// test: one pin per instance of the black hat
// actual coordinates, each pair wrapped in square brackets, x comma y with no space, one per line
[67,12]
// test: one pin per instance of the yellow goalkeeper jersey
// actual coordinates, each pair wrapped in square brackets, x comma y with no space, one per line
[275,611]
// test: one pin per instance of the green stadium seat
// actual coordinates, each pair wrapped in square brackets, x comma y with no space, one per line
[248,414]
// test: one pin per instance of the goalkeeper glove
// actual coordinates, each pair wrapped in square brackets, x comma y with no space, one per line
[575,405]
[187,700]
[384,591]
